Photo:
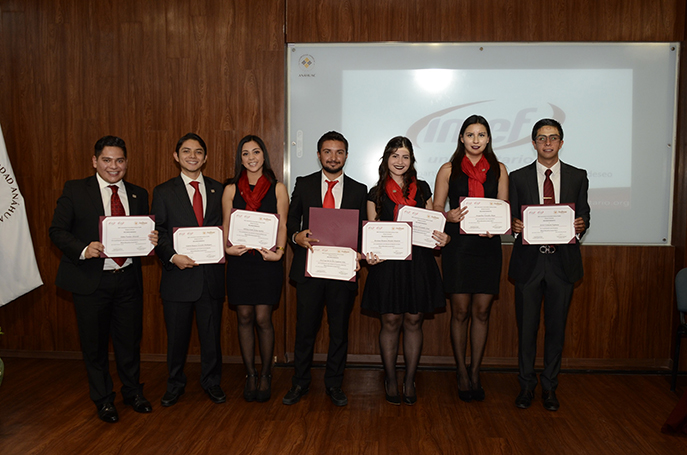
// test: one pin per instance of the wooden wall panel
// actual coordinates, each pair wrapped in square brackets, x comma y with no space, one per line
[74,70]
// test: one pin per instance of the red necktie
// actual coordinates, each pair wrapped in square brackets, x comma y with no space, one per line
[197,203]
[549,197]
[116,209]
[328,202]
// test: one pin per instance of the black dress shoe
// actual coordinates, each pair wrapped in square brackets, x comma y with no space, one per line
[171,397]
[464,395]
[108,413]
[216,394]
[550,401]
[478,395]
[337,395]
[391,399]
[250,390]
[264,396]
[408,399]
[139,403]
[524,399]
[295,394]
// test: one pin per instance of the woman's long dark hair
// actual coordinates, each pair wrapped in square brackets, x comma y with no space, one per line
[238,163]
[392,146]
[457,158]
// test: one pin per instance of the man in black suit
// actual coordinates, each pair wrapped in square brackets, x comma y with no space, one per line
[190,200]
[314,293]
[108,293]
[545,271]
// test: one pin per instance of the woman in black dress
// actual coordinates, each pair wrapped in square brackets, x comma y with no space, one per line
[254,277]
[401,291]
[471,263]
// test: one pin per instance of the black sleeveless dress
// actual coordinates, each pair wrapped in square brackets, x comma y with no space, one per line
[404,286]
[250,279]
[471,264]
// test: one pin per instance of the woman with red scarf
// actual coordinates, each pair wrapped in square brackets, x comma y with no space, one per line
[254,277]
[401,291]
[471,263]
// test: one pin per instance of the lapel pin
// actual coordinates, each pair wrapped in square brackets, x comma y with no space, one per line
[134,196]
[212,190]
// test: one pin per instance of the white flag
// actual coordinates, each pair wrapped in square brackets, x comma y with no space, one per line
[18,268]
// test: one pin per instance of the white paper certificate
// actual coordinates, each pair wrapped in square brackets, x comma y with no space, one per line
[548,224]
[331,262]
[202,244]
[388,239]
[253,229]
[485,215]
[424,223]
[126,236]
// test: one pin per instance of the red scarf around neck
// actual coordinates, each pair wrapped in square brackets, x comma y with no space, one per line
[395,193]
[253,198]
[477,175]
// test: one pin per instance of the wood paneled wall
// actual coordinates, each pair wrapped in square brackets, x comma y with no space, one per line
[75,70]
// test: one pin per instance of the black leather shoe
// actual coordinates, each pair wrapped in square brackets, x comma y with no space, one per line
[139,403]
[409,399]
[171,397]
[264,396]
[295,394]
[478,394]
[108,413]
[524,399]
[216,394]
[250,390]
[550,401]
[391,399]
[337,395]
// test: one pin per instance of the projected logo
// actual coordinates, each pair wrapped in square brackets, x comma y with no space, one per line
[306,62]
[443,126]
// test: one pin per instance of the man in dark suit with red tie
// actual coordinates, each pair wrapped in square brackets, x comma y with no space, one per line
[545,271]
[190,200]
[329,188]
[108,293]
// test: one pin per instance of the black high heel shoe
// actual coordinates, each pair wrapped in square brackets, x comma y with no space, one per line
[464,395]
[391,399]
[249,393]
[477,392]
[409,400]
[265,395]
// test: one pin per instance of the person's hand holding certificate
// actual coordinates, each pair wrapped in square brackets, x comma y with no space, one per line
[202,244]
[485,216]
[331,262]
[425,222]
[388,239]
[548,224]
[126,236]
[253,229]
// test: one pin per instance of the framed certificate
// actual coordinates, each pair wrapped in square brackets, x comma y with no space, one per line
[390,240]
[331,262]
[485,215]
[335,227]
[425,222]
[548,224]
[126,236]
[253,229]
[202,244]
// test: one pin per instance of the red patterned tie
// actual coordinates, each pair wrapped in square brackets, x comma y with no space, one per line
[116,209]
[328,202]
[197,203]
[549,197]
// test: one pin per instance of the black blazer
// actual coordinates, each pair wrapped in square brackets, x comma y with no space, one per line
[75,225]
[172,208]
[524,190]
[308,193]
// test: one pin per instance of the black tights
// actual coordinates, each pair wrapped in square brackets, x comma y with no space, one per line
[412,348]
[251,317]
[466,307]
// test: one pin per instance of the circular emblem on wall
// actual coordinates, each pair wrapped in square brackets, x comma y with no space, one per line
[306,62]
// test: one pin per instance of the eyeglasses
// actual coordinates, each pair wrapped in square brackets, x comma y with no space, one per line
[552,139]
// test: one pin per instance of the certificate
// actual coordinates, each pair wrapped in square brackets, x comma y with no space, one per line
[335,227]
[388,239]
[202,244]
[253,229]
[331,262]
[548,224]
[424,223]
[126,236]
[485,215]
